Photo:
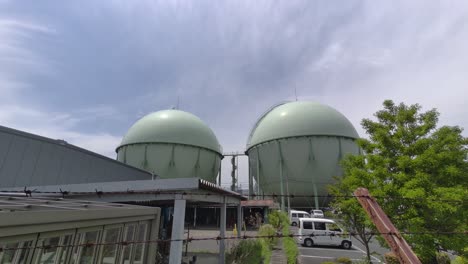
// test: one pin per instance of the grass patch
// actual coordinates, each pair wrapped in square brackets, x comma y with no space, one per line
[290,246]
[246,251]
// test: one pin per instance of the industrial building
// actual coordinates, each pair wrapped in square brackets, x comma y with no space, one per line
[170,162]
[49,169]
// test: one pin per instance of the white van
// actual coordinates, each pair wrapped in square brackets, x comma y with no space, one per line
[319,231]
[295,215]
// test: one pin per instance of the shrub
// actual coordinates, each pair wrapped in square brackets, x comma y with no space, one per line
[268,230]
[278,219]
[442,258]
[460,260]
[344,260]
[266,251]
[246,251]
[290,246]
[390,258]
[329,214]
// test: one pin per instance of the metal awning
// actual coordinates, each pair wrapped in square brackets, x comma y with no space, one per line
[190,189]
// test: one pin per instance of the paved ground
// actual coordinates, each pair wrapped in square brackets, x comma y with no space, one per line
[207,251]
[210,246]
[317,255]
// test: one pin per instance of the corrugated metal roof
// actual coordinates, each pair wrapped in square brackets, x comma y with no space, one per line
[27,159]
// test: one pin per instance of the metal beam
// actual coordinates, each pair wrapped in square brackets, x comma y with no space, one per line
[175,256]
[316,196]
[222,229]
[390,233]
[239,220]
[281,176]
[154,236]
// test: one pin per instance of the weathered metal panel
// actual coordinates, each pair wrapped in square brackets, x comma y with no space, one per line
[12,162]
[28,163]
[30,160]
[5,144]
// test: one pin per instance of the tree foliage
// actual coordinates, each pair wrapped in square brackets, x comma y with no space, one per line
[418,172]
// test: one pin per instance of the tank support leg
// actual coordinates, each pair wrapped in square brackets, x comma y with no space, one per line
[316,197]
[281,185]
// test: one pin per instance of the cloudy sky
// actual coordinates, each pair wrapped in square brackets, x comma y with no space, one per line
[85,71]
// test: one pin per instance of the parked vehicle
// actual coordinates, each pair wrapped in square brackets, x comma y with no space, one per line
[316,213]
[319,231]
[294,216]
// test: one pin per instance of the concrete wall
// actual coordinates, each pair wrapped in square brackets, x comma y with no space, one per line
[31,160]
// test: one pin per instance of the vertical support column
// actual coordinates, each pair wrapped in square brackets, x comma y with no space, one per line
[154,235]
[258,173]
[281,176]
[250,180]
[265,215]
[194,216]
[233,173]
[222,231]
[219,173]
[316,196]
[287,193]
[281,185]
[239,219]
[175,256]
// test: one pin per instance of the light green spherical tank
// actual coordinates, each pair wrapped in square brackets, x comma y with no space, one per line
[296,147]
[172,144]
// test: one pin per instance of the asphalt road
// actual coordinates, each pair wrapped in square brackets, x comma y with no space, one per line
[319,254]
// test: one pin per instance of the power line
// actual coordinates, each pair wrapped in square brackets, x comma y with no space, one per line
[192,239]
[29,193]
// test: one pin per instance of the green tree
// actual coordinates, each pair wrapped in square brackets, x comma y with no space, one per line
[352,215]
[418,173]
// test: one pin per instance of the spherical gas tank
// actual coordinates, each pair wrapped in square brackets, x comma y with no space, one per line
[296,149]
[172,144]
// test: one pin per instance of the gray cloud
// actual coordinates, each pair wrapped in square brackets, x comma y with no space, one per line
[98,66]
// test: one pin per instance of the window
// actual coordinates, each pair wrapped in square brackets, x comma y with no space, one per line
[109,252]
[294,215]
[307,225]
[87,252]
[127,250]
[49,250]
[333,227]
[23,255]
[65,251]
[301,215]
[76,248]
[319,226]
[139,250]
[14,255]
[7,256]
